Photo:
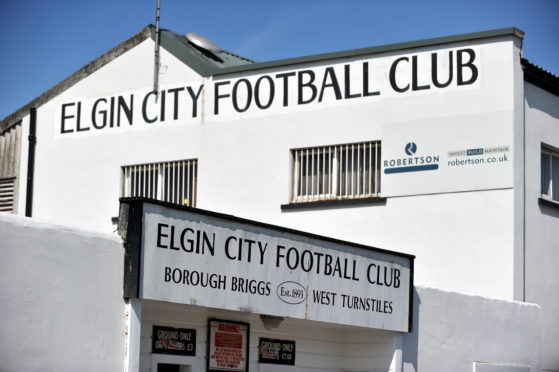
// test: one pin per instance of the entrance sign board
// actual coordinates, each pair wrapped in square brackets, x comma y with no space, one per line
[228,346]
[195,257]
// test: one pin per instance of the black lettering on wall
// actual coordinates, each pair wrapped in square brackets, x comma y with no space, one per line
[219,96]
[112,112]
[127,108]
[366,92]
[330,74]
[103,114]
[285,76]
[309,84]
[470,65]
[347,84]
[162,107]
[435,70]
[248,95]
[393,75]
[257,92]
[175,93]
[79,116]
[195,99]
[414,76]
[64,117]
[145,110]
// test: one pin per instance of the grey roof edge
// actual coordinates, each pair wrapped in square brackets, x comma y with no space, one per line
[540,77]
[378,49]
[14,118]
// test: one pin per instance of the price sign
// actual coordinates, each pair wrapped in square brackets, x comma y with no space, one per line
[273,351]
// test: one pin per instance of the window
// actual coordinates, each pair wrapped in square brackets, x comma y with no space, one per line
[173,182]
[550,174]
[350,171]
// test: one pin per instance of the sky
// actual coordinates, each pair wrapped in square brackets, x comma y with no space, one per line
[43,42]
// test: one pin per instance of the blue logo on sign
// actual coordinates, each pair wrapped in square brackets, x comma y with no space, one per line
[412,163]
[411,148]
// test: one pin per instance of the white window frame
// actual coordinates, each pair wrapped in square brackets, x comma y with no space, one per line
[171,181]
[336,172]
[550,176]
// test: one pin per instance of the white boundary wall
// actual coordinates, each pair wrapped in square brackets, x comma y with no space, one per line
[453,331]
[61,305]
[61,309]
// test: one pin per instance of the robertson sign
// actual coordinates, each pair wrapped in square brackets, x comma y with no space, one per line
[188,256]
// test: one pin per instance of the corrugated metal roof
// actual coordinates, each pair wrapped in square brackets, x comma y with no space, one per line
[540,77]
[378,49]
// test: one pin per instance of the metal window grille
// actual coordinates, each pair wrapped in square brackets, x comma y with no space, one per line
[550,174]
[349,171]
[7,190]
[173,182]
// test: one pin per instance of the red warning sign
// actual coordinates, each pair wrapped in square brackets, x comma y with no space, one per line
[228,346]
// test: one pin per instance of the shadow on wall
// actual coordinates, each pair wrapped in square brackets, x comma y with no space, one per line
[411,340]
[549,210]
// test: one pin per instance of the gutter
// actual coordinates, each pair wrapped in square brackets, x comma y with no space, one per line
[31,161]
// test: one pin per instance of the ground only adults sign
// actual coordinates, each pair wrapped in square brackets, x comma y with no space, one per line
[190,256]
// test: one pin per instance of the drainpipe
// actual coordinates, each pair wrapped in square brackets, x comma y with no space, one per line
[31,160]
[156,54]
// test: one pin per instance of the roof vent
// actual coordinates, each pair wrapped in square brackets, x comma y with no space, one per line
[202,42]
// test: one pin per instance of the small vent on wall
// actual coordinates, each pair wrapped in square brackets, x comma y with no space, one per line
[7,186]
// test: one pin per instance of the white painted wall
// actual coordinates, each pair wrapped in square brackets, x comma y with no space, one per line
[460,239]
[78,174]
[319,346]
[61,305]
[61,309]
[453,331]
[542,222]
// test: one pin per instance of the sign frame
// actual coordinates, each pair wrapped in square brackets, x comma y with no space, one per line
[281,342]
[211,341]
[132,226]
[191,331]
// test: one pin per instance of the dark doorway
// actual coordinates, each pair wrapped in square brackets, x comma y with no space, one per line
[166,367]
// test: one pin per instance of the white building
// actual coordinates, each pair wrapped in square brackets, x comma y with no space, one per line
[445,149]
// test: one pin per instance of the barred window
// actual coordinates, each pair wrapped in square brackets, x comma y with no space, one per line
[349,171]
[173,182]
[550,174]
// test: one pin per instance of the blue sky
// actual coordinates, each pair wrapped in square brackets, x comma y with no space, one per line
[43,42]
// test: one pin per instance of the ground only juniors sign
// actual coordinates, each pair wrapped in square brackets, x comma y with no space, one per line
[195,257]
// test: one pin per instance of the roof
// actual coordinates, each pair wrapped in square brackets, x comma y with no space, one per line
[210,64]
[378,49]
[85,71]
[203,62]
[540,77]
